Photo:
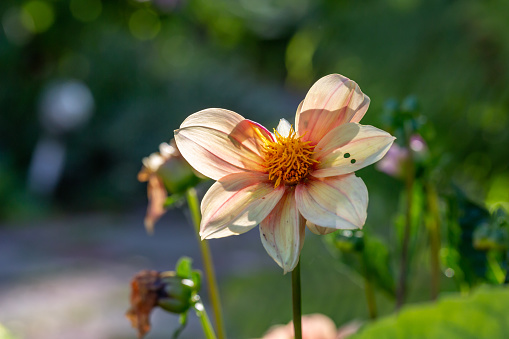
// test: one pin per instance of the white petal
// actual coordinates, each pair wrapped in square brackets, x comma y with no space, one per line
[236,203]
[217,142]
[283,128]
[282,232]
[337,202]
[350,147]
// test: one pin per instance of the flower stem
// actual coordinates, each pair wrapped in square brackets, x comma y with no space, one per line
[205,321]
[296,302]
[434,234]
[401,290]
[192,201]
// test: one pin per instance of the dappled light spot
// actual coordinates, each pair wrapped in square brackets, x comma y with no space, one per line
[14,29]
[144,24]
[37,16]
[299,58]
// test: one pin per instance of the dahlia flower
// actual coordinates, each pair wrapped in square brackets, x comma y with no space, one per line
[283,180]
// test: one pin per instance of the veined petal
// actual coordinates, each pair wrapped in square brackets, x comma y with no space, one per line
[282,232]
[319,230]
[217,142]
[236,203]
[336,202]
[350,147]
[332,101]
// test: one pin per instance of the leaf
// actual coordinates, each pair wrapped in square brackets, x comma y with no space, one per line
[485,314]
[366,255]
[184,268]
[196,278]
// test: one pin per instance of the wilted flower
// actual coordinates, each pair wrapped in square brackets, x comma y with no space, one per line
[281,180]
[150,289]
[166,171]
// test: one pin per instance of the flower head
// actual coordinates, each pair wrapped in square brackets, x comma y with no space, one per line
[281,180]
[166,171]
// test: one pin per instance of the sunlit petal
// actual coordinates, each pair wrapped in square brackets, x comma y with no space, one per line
[332,101]
[350,147]
[282,232]
[217,142]
[236,203]
[335,202]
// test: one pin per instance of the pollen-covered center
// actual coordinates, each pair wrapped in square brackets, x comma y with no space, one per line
[287,159]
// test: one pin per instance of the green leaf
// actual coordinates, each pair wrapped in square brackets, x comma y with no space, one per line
[184,268]
[365,255]
[196,278]
[485,314]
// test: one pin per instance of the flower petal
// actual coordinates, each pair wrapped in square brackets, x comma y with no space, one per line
[236,203]
[319,230]
[217,142]
[350,147]
[284,127]
[337,202]
[282,232]
[332,101]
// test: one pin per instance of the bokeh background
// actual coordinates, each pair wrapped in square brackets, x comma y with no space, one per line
[89,87]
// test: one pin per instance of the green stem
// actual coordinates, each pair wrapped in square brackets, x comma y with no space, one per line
[192,201]
[296,302]
[401,290]
[434,235]
[205,321]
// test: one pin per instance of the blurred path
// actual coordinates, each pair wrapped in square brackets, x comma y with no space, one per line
[68,277]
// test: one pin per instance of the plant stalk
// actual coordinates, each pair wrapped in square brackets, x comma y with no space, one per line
[192,201]
[205,321]
[296,302]
[434,236]
[401,290]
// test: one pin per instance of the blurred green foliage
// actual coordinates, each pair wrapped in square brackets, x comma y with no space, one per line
[482,315]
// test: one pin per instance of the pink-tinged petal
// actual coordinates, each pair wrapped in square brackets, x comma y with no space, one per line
[156,198]
[236,203]
[319,230]
[336,202]
[350,147]
[332,101]
[217,142]
[282,232]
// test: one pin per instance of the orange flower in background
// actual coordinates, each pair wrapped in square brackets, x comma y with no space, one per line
[281,180]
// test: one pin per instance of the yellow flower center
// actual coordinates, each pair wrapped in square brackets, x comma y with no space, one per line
[287,159]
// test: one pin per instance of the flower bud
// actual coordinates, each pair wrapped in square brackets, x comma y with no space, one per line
[166,172]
